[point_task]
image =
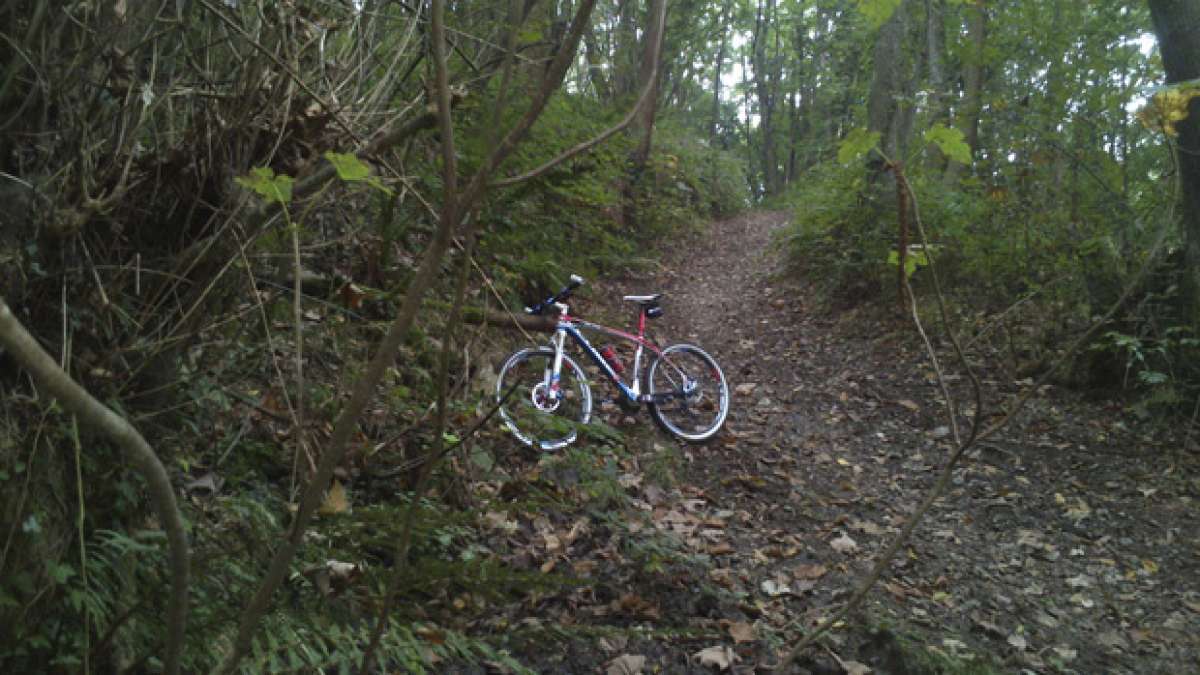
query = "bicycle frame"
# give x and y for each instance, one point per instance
(573, 326)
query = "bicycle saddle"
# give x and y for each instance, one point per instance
(644, 299)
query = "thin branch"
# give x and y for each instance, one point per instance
(586, 145)
(364, 390)
(976, 434)
(282, 66)
(41, 366)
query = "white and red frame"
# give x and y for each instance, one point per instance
(573, 326)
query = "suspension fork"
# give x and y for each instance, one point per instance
(554, 374)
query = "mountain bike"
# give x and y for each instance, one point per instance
(543, 395)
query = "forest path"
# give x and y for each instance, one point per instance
(1068, 543)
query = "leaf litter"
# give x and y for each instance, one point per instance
(1051, 549)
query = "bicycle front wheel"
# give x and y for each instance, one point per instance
(689, 396)
(542, 414)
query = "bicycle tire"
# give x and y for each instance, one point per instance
(526, 413)
(683, 381)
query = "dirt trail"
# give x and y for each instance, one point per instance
(1069, 543)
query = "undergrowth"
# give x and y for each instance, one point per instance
(1023, 273)
(83, 564)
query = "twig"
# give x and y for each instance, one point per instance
(364, 390)
(284, 67)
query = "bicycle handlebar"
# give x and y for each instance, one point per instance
(574, 282)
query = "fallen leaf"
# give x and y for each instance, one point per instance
(1017, 640)
(637, 606)
(430, 635)
(723, 576)
(335, 500)
(856, 668)
(809, 571)
(990, 629)
(1046, 620)
(1079, 511)
(774, 589)
(866, 527)
(1066, 653)
(630, 480)
(745, 389)
(722, 548)
(1080, 581)
(844, 544)
(911, 405)
(742, 632)
(626, 664)
(1113, 640)
(721, 657)
(803, 586)
(1140, 635)
(209, 483)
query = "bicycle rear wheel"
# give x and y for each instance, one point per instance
(689, 397)
(536, 418)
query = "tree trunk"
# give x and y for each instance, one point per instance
(883, 108)
(716, 109)
(595, 60)
(766, 85)
(968, 117)
(651, 58)
(625, 51)
(935, 48)
(1177, 23)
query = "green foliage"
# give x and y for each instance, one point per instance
(351, 169)
(577, 217)
(916, 258)
(290, 646)
(856, 144)
(1159, 366)
(950, 141)
(877, 12)
(270, 187)
(834, 232)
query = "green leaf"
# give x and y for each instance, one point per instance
(60, 573)
(269, 186)
(856, 144)
(950, 141)
(349, 167)
(353, 170)
(911, 263)
(877, 12)
(1152, 377)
